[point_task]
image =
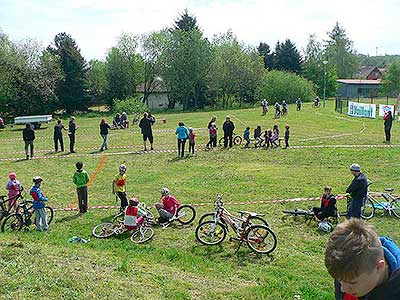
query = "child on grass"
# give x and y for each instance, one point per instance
(192, 142)
(119, 187)
(13, 187)
(81, 179)
(39, 204)
(327, 207)
(169, 206)
(257, 137)
(246, 136)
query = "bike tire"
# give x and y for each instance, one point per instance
(396, 208)
(210, 233)
(368, 210)
(221, 142)
(12, 223)
(103, 230)
(189, 213)
(142, 235)
(261, 239)
(238, 140)
(206, 216)
(29, 205)
(119, 217)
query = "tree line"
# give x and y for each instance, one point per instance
(194, 71)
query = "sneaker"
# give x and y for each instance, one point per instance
(151, 148)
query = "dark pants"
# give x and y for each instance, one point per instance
(58, 138)
(29, 144)
(387, 133)
(228, 137)
(287, 142)
(212, 142)
(124, 200)
(191, 147)
(164, 216)
(247, 143)
(355, 208)
(82, 198)
(181, 147)
(71, 142)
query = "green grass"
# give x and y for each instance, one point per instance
(173, 265)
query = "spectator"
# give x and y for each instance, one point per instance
(124, 120)
(182, 134)
(246, 136)
(1, 123)
(363, 265)
(192, 140)
(145, 125)
(213, 132)
(81, 179)
(39, 200)
(257, 137)
(275, 136)
(388, 125)
(298, 104)
(287, 135)
(212, 121)
(357, 189)
(228, 128)
(104, 133)
(58, 137)
(28, 134)
(117, 121)
(71, 133)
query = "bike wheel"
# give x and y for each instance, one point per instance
(221, 142)
(12, 223)
(103, 230)
(207, 217)
(255, 220)
(29, 205)
(142, 235)
(237, 140)
(396, 208)
(261, 239)
(210, 233)
(119, 217)
(368, 210)
(185, 214)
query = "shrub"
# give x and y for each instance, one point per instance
(129, 105)
(278, 86)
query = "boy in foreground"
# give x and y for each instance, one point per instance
(364, 266)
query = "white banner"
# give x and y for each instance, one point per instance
(383, 108)
(362, 110)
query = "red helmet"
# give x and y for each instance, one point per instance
(12, 176)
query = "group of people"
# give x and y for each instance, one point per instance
(121, 121)
(228, 127)
(270, 138)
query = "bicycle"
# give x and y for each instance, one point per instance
(119, 216)
(214, 232)
(308, 215)
(237, 140)
(254, 218)
(22, 217)
(141, 234)
(185, 214)
(390, 207)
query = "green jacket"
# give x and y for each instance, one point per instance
(80, 178)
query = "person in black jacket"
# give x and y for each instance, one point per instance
(58, 137)
(104, 133)
(364, 266)
(145, 125)
(328, 205)
(28, 135)
(388, 125)
(357, 189)
(71, 133)
(228, 128)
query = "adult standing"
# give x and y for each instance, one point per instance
(357, 189)
(71, 133)
(145, 125)
(228, 128)
(28, 135)
(104, 133)
(183, 134)
(388, 125)
(58, 137)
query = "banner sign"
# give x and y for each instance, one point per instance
(383, 108)
(362, 110)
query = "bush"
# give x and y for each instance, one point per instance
(129, 105)
(278, 86)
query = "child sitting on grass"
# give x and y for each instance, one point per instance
(168, 208)
(328, 205)
(133, 215)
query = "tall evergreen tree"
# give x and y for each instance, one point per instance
(287, 57)
(186, 22)
(72, 90)
(268, 57)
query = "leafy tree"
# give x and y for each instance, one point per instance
(391, 80)
(97, 81)
(287, 57)
(279, 85)
(268, 57)
(72, 91)
(186, 22)
(124, 68)
(339, 51)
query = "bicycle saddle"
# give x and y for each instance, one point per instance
(389, 190)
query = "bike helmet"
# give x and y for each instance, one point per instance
(164, 191)
(325, 226)
(134, 201)
(12, 176)
(37, 179)
(355, 167)
(122, 168)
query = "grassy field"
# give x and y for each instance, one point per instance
(173, 265)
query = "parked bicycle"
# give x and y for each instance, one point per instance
(307, 215)
(259, 238)
(237, 140)
(390, 206)
(23, 217)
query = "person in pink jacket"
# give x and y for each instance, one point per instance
(13, 187)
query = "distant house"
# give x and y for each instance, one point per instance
(354, 88)
(369, 73)
(158, 98)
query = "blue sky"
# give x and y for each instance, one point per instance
(95, 24)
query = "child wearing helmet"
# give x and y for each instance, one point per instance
(13, 187)
(39, 200)
(169, 206)
(119, 186)
(133, 215)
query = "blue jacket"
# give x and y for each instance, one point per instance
(389, 290)
(246, 134)
(38, 197)
(182, 132)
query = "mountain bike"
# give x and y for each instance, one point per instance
(149, 215)
(307, 215)
(390, 206)
(259, 238)
(237, 140)
(23, 217)
(254, 218)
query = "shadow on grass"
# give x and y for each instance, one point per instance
(69, 218)
(175, 159)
